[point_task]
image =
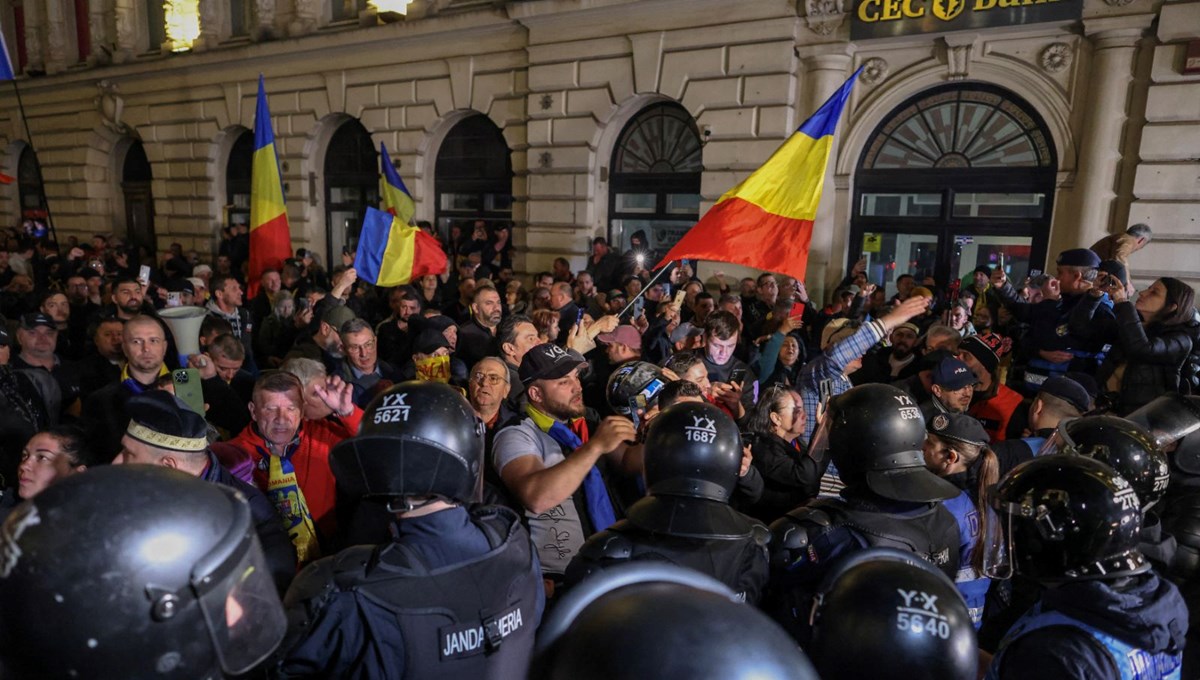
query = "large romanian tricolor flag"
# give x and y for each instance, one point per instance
(392, 253)
(270, 236)
(394, 196)
(766, 221)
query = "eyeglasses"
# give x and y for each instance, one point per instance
(488, 379)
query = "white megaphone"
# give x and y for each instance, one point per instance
(184, 323)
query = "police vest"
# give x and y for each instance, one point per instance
(740, 563)
(970, 583)
(1131, 662)
(931, 534)
(475, 619)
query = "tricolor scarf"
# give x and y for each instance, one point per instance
(283, 490)
(595, 494)
(132, 384)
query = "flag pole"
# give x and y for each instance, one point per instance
(645, 288)
(37, 163)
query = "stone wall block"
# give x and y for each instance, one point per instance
(1177, 102)
(1180, 142)
(360, 97)
(596, 101)
(397, 93)
(506, 112)
(314, 101)
(706, 94)
(775, 121)
(766, 57)
(728, 123)
(1179, 21)
(420, 116)
(1168, 182)
(559, 76)
(438, 93)
(573, 130)
(680, 67)
(772, 89)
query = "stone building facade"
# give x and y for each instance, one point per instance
(1108, 121)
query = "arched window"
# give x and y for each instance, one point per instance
(237, 179)
(956, 177)
(473, 177)
(136, 178)
(351, 184)
(654, 185)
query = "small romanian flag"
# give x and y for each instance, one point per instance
(270, 236)
(766, 221)
(394, 196)
(392, 253)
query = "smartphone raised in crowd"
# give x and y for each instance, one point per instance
(187, 388)
(738, 375)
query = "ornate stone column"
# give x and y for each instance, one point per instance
(59, 53)
(125, 46)
(823, 75)
(35, 18)
(1114, 42)
(100, 26)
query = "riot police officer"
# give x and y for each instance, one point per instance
(656, 621)
(134, 572)
(884, 603)
(1074, 525)
(1174, 421)
(693, 454)
(457, 593)
(875, 434)
(1131, 451)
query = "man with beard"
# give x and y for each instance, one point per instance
(894, 362)
(477, 337)
(323, 343)
(396, 333)
(549, 461)
(128, 299)
(756, 312)
(953, 386)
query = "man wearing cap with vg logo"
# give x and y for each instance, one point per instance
(551, 461)
(1056, 349)
(953, 386)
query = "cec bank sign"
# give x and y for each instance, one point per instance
(889, 18)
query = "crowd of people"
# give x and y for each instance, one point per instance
(608, 472)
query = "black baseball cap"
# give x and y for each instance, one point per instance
(548, 361)
(32, 320)
(1069, 391)
(959, 427)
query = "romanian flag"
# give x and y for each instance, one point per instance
(270, 237)
(394, 196)
(766, 221)
(392, 253)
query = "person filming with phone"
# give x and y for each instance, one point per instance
(1151, 334)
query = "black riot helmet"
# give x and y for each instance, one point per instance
(634, 382)
(418, 439)
(1174, 421)
(1122, 445)
(134, 571)
(655, 621)
(875, 434)
(1068, 518)
(885, 613)
(693, 453)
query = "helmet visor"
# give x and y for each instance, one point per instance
(242, 609)
(818, 447)
(997, 546)
(1059, 442)
(1169, 418)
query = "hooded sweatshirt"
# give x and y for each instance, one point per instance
(1147, 613)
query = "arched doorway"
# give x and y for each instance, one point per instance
(29, 188)
(351, 184)
(956, 177)
(136, 178)
(237, 179)
(655, 181)
(473, 175)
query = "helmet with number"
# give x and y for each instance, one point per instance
(693, 453)
(1122, 445)
(418, 439)
(1174, 422)
(658, 621)
(134, 571)
(875, 434)
(634, 381)
(888, 604)
(1069, 518)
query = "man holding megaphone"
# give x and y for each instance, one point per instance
(144, 345)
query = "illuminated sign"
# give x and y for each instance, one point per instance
(888, 18)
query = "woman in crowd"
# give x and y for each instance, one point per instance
(50, 455)
(790, 476)
(783, 354)
(1151, 337)
(546, 322)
